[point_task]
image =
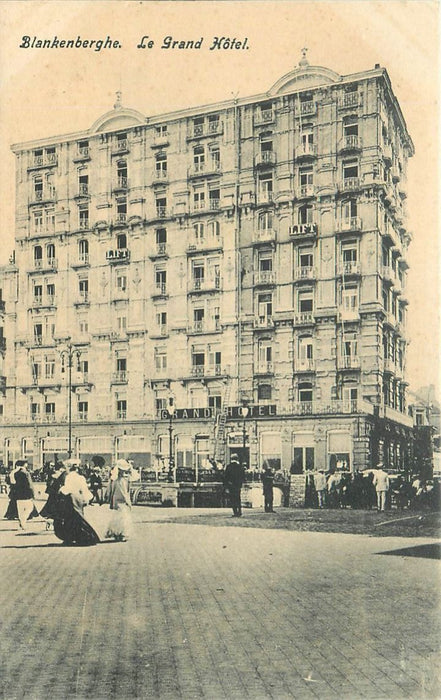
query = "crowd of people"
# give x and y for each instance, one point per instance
(69, 493)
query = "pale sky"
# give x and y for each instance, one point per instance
(55, 91)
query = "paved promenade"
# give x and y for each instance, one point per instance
(207, 611)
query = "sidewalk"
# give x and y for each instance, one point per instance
(202, 611)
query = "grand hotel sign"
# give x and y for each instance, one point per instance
(231, 412)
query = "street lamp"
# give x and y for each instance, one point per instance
(67, 359)
(244, 411)
(171, 460)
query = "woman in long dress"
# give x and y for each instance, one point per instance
(70, 524)
(11, 511)
(24, 492)
(118, 494)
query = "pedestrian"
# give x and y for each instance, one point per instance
(70, 523)
(24, 492)
(381, 483)
(96, 485)
(268, 488)
(234, 477)
(118, 494)
(11, 511)
(320, 487)
(55, 481)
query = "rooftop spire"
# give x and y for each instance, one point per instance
(304, 62)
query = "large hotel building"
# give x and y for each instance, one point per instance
(250, 253)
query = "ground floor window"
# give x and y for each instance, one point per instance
(303, 460)
(339, 451)
(271, 451)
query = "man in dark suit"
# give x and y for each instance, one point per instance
(233, 479)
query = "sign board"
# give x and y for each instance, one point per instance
(231, 412)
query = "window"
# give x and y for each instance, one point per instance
(38, 188)
(49, 327)
(198, 229)
(306, 257)
(305, 301)
(35, 410)
(83, 183)
(121, 368)
(38, 333)
(265, 221)
(350, 169)
(121, 174)
(265, 307)
(199, 159)
(198, 362)
(121, 409)
(306, 215)
(83, 324)
(160, 359)
(350, 396)
(349, 298)
(83, 408)
(303, 458)
(38, 255)
(198, 273)
(214, 197)
(349, 209)
(161, 239)
(215, 157)
(199, 198)
(83, 148)
(305, 392)
(184, 452)
(38, 293)
(213, 123)
(265, 356)
(121, 282)
(49, 410)
(339, 450)
(271, 450)
(161, 321)
(198, 318)
(83, 214)
(36, 370)
(161, 165)
(266, 186)
(161, 130)
(83, 369)
(215, 361)
(121, 241)
(83, 286)
(306, 352)
(161, 206)
(198, 126)
(161, 280)
(264, 392)
(49, 367)
(349, 252)
(202, 452)
(306, 177)
(121, 323)
(265, 261)
(121, 209)
(50, 292)
(307, 138)
(50, 253)
(215, 400)
(213, 229)
(38, 221)
(349, 345)
(83, 250)
(350, 128)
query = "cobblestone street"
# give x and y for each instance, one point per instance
(209, 611)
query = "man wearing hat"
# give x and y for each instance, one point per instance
(381, 483)
(233, 479)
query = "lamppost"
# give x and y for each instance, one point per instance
(171, 459)
(68, 355)
(244, 411)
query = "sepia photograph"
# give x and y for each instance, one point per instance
(219, 349)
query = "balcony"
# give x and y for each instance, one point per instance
(308, 107)
(349, 269)
(306, 151)
(264, 278)
(264, 197)
(305, 365)
(83, 260)
(122, 184)
(204, 169)
(208, 284)
(264, 116)
(305, 191)
(198, 370)
(121, 146)
(263, 322)
(160, 251)
(117, 256)
(349, 100)
(303, 230)
(387, 153)
(161, 212)
(160, 289)
(264, 159)
(305, 318)
(120, 377)
(160, 177)
(83, 153)
(210, 128)
(83, 190)
(83, 417)
(348, 362)
(388, 274)
(49, 194)
(335, 406)
(121, 415)
(159, 331)
(49, 418)
(120, 220)
(350, 184)
(205, 244)
(351, 143)
(41, 265)
(161, 141)
(82, 299)
(264, 368)
(389, 365)
(267, 235)
(306, 272)
(352, 224)
(44, 161)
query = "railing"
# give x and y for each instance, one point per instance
(350, 99)
(83, 152)
(306, 272)
(49, 418)
(161, 249)
(266, 158)
(334, 406)
(305, 365)
(213, 166)
(121, 145)
(263, 322)
(350, 142)
(206, 242)
(83, 298)
(120, 376)
(43, 195)
(306, 149)
(122, 183)
(198, 327)
(265, 277)
(264, 368)
(308, 107)
(214, 126)
(83, 258)
(83, 417)
(388, 273)
(160, 174)
(350, 183)
(306, 191)
(201, 284)
(267, 234)
(83, 224)
(389, 365)
(354, 223)
(198, 370)
(121, 415)
(349, 268)
(304, 318)
(161, 288)
(161, 212)
(83, 189)
(265, 197)
(264, 116)
(121, 218)
(348, 362)
(48, 159)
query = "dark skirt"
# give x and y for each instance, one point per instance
(72, 528)
(12, 512)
